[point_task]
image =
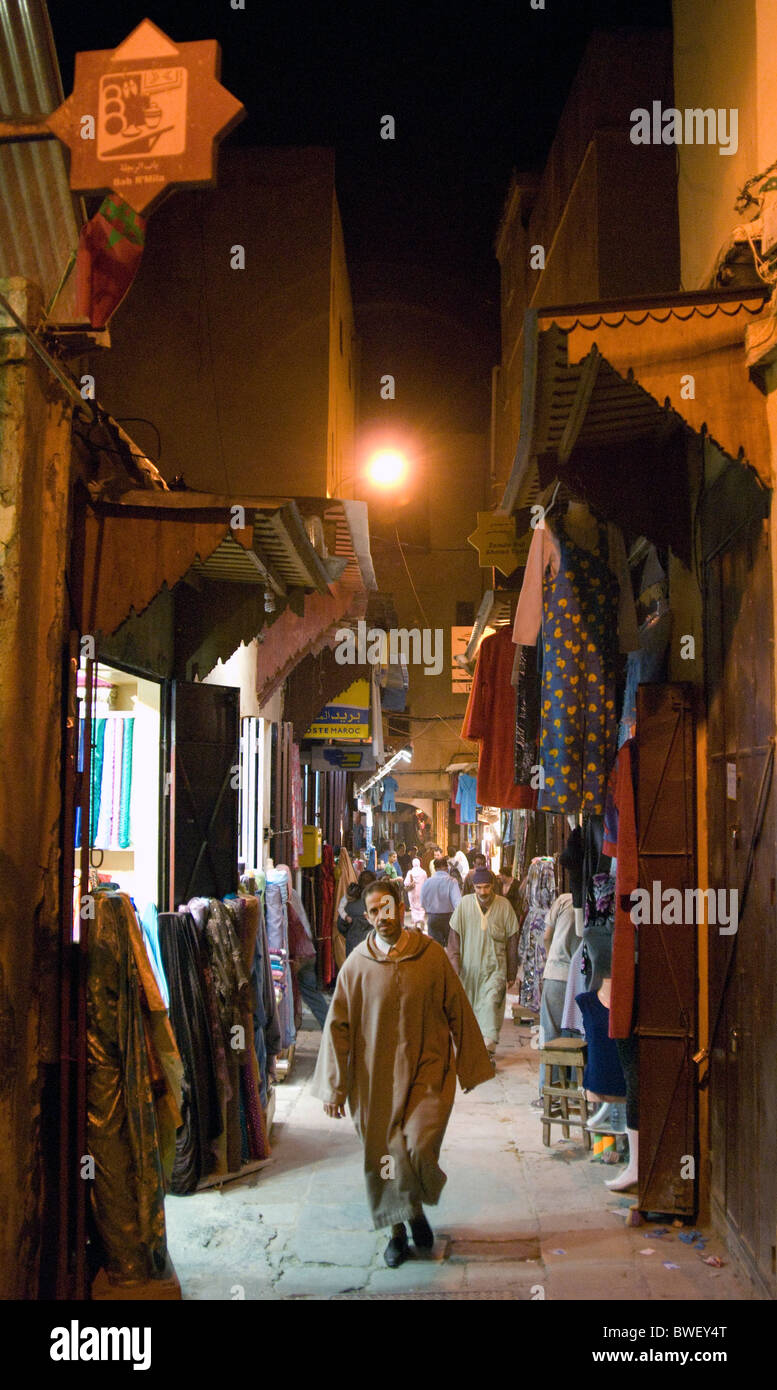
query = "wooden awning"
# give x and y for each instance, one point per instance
(125, 551)
(603, 382)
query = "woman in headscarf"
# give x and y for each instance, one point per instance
(414, 880)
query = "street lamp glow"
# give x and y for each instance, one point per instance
(387, 468)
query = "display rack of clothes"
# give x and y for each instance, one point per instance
(490, 720)
(276, 901)
(224, 1017)
(577, 592)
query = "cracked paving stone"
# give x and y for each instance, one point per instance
(334, 1247)
(321, 1280)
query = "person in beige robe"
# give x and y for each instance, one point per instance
(399, 1030)
(483, 949)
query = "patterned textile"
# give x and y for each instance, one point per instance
(201, 1125)
(326, 880)
(125, 786)
(540, 893)
(297, 813)
(122, 1127)
(244, 914)
(579, 735)
(527, 714)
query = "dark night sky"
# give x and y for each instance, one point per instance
(475, 91)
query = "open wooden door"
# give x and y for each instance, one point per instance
(739, 669)
(205, 755)
(666, 811)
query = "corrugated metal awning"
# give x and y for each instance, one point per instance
(39, 218)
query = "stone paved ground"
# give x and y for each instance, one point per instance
(516, 1220)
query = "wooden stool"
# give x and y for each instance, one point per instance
(565, 1103)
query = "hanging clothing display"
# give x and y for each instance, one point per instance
(466, 798)
(525, 678)
(223, 1012)
(275, 900)
(325, 876)
(111, 794)
(133, 1094)
(490, 719)
(201, 1123)
(540, 894)
(603, 1073)
(390, 787)
(649, 662)
(297, 813)
(580, 596)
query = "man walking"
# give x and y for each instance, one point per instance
(439, 896)
(387, 1050)
(483, 950)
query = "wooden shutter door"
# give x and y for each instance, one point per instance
(666, 809)
(205, 753)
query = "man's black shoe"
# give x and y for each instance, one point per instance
(423, 1235)
(396, 1251)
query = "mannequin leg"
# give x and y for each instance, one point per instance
(629, 1177)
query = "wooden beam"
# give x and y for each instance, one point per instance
(13, 131)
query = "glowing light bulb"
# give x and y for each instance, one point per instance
(387, 468)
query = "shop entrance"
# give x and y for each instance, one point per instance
(742, 838)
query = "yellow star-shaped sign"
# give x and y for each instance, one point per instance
(145, 117)
(496, 542)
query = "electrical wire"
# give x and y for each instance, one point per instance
(410, 577)
(141, 420)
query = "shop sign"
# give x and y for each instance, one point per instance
(343, 760)
(347, 717)
(461, 679)
(145, 117)
(496, 543)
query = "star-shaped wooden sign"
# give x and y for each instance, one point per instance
(496, 542)
(146, 117)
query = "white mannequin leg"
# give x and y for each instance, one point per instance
(629, 1177)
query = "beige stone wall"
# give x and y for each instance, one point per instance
(34, 478)
(715, 64)
(230, 365)
(444, 573)
(342, 371)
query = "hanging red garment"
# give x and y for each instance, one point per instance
(326, 912)
(490, 718)
(620, 841)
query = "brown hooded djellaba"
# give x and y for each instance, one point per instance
(399, 1030)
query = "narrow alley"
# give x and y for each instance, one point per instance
(516, 1220)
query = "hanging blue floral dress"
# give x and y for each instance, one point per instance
(579, 734)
